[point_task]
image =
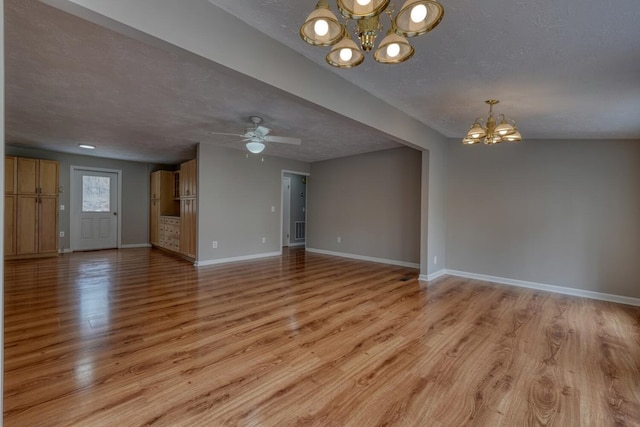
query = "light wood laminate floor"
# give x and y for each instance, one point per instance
(139, 337)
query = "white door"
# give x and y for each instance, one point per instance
(95, 210)
(286, 210)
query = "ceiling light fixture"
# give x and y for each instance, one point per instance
(492, 132)
(87, 146)
(255, 147)
(323, 28)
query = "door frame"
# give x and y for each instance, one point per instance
(306, 211)
(72, 192)
(286, 215)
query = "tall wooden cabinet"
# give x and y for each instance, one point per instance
(188, 202)
(31, 207)
(173, 209)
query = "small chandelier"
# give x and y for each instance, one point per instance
(492, 133)
(322, 28)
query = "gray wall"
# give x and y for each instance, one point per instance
(372, 201)
(298, 205)
(563, 213)
(235, 196)
(135, 191)
(434, 213)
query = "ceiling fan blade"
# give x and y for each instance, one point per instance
(261, 131)
(222, 133)
(283, 139)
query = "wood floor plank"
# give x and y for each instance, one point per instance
(139, 337)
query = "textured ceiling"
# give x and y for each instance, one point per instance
(70, 81)
(563, 70)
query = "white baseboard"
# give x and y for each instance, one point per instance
(432, 276)
(293, 245)
(544, 287)
(135, 245)
(235, 259)
(365, 258)
(65, 251)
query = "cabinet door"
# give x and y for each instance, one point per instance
(183, 179)
(48, 177)
(154, 222)
(192, 229)
(48, 225)
(188, 227)
(10, 171)
(9, 225)
(188, 179)
(155, 185)
(27, 225)
(27, 176)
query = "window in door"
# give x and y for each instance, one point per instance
(96, 193)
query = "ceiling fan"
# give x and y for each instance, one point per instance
(256, 136)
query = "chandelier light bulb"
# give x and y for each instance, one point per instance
(418, 13)
(346, 54)
(321, 27)
(363, 2)
(393, 50)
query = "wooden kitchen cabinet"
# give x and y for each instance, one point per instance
(154, 222)
(188, 179)
(10, 174)
(173, 210)
(188, 227)
(163, 203)
(31, 207)
(9, 225)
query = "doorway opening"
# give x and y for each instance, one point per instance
(294, 209)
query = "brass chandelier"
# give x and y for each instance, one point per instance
(492, 132)
(322, 28)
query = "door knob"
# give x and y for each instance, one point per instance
(115, 213)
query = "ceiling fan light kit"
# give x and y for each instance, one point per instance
(323, 28)
(492, 132)
(255, 147)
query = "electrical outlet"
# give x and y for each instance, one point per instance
(61, 207)
(435, 259)
(214, 245)
(264, 240)
(273, 208)
(339, 239)
(62, 234)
